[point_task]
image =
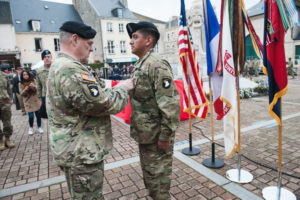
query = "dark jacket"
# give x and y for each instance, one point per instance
(15, 82)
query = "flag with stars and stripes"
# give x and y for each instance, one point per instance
(194, 97)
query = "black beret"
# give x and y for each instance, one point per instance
(45, 52)
(84, 31)
(133, 27)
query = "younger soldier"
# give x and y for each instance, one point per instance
(5, 112)
(79, 113)
(41, 82)
(155, 108)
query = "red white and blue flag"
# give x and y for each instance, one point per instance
(212, 32)
(274, 57)
(195, 101)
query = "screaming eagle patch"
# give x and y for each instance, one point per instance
(93, 88)
(166, 83)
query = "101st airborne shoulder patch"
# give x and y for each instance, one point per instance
(88, 77)
(93, 88)
(166, 83)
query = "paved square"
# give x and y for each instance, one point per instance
(28, 171)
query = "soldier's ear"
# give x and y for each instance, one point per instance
(149, 40)
(74, 39)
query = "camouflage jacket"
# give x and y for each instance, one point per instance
(5, 90)
(41, 81)
(79, 113)
(154, 102)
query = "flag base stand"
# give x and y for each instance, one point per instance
(218, 163)
(213, 162)
(271, 193)
(190, 151)
(239, 176)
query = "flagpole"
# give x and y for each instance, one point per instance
(211, 162)
(191, 151)
(238, 175)
(272, 192)
(239, 127)
(279, 152)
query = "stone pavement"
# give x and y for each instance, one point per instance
(28, 171)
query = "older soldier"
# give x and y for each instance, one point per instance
(5, 112)
(79, 113)
(41, 82)
(155, 108)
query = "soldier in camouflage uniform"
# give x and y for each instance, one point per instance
(41, 82)
(42, 74)
(5, 112)
(155, 108)
(79, 113)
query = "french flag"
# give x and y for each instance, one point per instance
(212, 31)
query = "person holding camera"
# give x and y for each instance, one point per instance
(32, 103)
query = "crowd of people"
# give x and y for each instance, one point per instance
(116, 72)
(28, 91)
(79, 107)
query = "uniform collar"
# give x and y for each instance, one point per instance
(46, 68)
(65, 55)
(139, 63)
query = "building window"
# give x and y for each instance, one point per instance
(56, 44)
(35, 26)
(121, 28)
(122, 47)
(120, 13)
(27, 65)
(110, 46)
(38, 44)
(109, 27)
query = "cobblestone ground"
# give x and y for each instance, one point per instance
(30, 161)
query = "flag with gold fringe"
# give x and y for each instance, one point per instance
(229, 89)
(194, 97)
(274, 57)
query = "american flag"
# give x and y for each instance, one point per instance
(193, 85)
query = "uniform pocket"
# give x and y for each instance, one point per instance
(143, 90)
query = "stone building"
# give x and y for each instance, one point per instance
(256, 14)
(109, 19)
(30, 27)
(196, 25)
(9, 52)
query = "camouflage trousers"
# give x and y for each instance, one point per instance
(85, 182)
(157, 168)
(5, 117)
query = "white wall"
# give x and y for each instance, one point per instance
(7, 37)
(26, 46)
(116, 37)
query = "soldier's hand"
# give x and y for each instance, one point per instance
(128, 83)
(163, 145)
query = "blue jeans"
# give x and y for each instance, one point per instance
(31, 119)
